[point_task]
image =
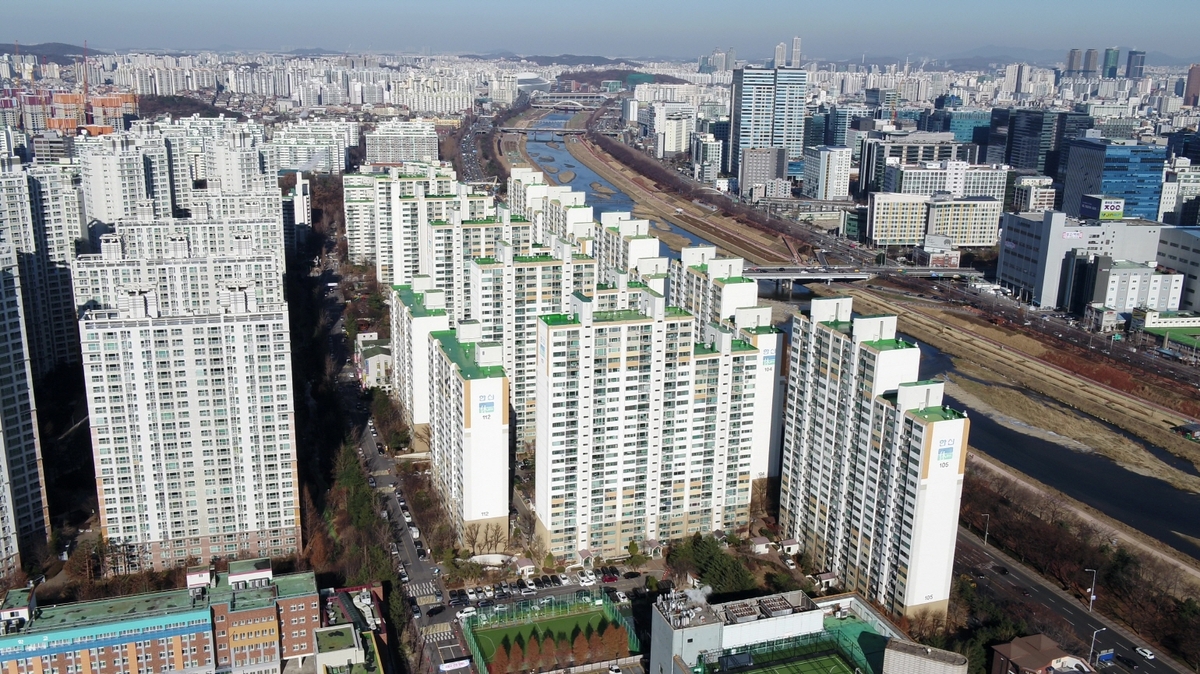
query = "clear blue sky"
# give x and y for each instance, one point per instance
(830, 28)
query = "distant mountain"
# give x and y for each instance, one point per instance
(55, 52)
(313, 51)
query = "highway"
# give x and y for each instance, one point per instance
(1021, 584)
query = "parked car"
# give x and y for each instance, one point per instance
(488, 592)
(584, 581)
(564, 579)
(555, 580)
(467, 612)
(371, 482)
(621, 597)
(434, 610)
(632, 574)
(484, 603)
(528, 592)
(789, 563)
(546, 582)
(414, 532)
(537, 582)
(591, 575)
(472, 595)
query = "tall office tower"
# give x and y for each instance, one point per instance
(1034, 194)
(814, 128)
(780, 60)
(1074, 62)
(1112, 61)
(1115, 168)
(125, 176)
(768, 111)
(1035, 137)
(795, 62)
(24, 514)
(1180, 204)
(962, 123)
(1191, 90)
(997, 150)
(827, 173)
(468, 433)
(510, 292)
(40, 216)
(838, 128)
(417, 310)
(882, 148)
(395, 142)
(1135, 64)
(175, 329)
(390, 215)
(873, 461)
(649, 426)
(1091, 63)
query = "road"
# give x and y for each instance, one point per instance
(1021, 583)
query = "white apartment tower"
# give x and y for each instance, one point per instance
(24, 515)
(873, 461)
(709, 287)
(468, 429)
(125, 176)
(395, 142)
(509, 293)
(189, 383)
(647, 426)
(418, 309)
(827, 173)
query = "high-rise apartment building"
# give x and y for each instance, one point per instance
(418, 309)
(1074, 62)
(396, 142)
(24, 512)
(649, 426)
(125, 176)
(189, 385)
(1125, 169)
(1112, 61)
(1135, 64)
(873, 461)
(708, 287)
(768, 111)
(827, 173)
(1091, 64)
(795, 62)
(469, 430)
(315, 145)
(1191, 90)
(780, 60)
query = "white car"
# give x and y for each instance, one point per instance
(489, 592)
(622, 597)
(585, 581)
(566, 580)
(789, 563)
(1145, 653)
(415, 533)
(591, 575)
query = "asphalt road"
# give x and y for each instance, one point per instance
(1021, 583)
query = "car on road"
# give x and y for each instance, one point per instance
(435, 610)
(1144, 652)
(1002, 570)
(1025, 592)
(1127, 661)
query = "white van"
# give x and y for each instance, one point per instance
(467, 612)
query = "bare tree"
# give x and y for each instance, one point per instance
(527, 523)
(471, 536)
(493, 537)
(537, 548)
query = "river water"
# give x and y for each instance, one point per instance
(1144, 503)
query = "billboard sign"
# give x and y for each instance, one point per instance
(1099, 207)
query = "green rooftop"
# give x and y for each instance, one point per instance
(415, 302)
(618, 315)
(463, 356)
(843, 327)
(482, 261)
(535, 258)
(733, 279)
(762, 330)
(79, 614)
(889, 344)
(941, 413)
(337, 639)
(296, 584)
(555, 320)
(677, 312)
(743, 345)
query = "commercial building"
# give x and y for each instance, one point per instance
(908, 147)
(1112, 61)
(767, 112)
(649, 426)
(1191, 90)
(25, 517)
(961, 122)
(1033, 194)
(761, 167)
(1179, 250)
(399, 141)
(1035, 248)
(246, 620)
(1180, 201)
(1035, 654)
(896, 219)
(1135, 64)
(468, 428)
(668, 125)
(937, 251)
(1035, 136)
(418, 310)
(373, 361)
(706, 158)
(873, 461)
(1126, 170)
(689, 634)
(972, 222)
(189, 387)
(1099, 280)
(827, 173)
(957, 178)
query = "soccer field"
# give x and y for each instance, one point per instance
(562, 628)
(825, 664)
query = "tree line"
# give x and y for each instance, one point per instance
(546, 650)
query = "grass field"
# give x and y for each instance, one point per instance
(562, 628)
(824, 664)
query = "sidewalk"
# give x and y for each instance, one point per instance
(1112, 625)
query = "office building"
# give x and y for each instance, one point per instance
(958, 178)
(1191, 90)
(509, 292)
(998, 136)
(840, 118)
(969, 222)
(1135, 64)
(1074, 63)
(418, 310)
(767, 112)
(469, 428)
(896, 219)
(1180, 202)
(1091, 64)
(761, 166)
(1125, 169)
(41, 216)
(963, 123)
(1095, 281)
(1033, 194)
(649, 426)
(858, 410)
(173, 328)
(903, 147)
(396, 142)
(25, 515)
(1112, 60)
(1034, 248)
(706, 158)
(1179, 250)
(245, 620)
(668, 125)
(827, 173)
(1035, 136)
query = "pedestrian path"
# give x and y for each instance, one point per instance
(438, 632)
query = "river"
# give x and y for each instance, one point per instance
(1144, 503)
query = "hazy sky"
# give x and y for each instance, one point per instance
(830, 28)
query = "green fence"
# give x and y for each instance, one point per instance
(797, 648)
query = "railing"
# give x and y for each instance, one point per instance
(794, 648)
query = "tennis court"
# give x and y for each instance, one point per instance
(822, 664)
(562, 628)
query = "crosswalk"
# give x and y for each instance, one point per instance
(438, 632)
(420, 589)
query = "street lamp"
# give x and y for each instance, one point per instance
(1093, 646)
(1092, 590)
(987, 523)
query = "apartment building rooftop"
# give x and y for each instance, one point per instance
(415, 302)
(939, 413)
(463, 356)
(889, 344)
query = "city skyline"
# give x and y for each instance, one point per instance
(874, 31)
